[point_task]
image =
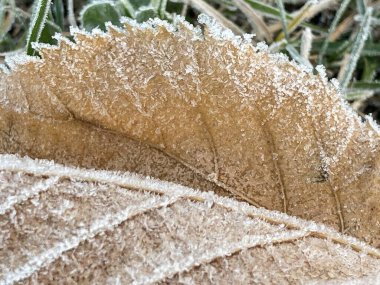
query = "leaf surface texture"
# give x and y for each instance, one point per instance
(216, 112)
(97, 227)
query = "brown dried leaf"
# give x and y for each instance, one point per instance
(250, 123)
(69, 225)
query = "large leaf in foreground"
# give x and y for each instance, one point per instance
(69, 225)
(251, 123)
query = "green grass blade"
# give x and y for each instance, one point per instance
(366, 85)
(297, 20)
(162, 11)
(58, 12)
(276, 14)
(266, 9)
(40, 13)
(280, 5)
(357, 48)
(71, 13)
(369, 70)
(353, 95)
(361, 7)
(297, 57)
(371, 49)
(332, 28)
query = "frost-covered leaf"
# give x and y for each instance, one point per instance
(96, 14)
(145, 13)
(246, 121)
(68, 225)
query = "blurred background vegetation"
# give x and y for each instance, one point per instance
(343, 35)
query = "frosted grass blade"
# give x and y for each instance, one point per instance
(332, 28)
(370, 85)
(71, 14)
(283, 18)
(162, 10)
(297, 57)
(276, 14)
(306, 42)
(58, 12)
(302, 14)
(38, 22)
(357, 48)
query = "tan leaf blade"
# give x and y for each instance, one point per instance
(97, 227)
(250, 123)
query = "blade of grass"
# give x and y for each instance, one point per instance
(280, 5)
(276, 14)
(297, 57)
(371, 49)
(41, 11)
(70, 13)
(185, 8)
(361, 6)
(332, 27)
(357, 48)
(369, 70)
(354, 95)
(306, 43)
(162, 11)
(320, 6)
(159, 6)
(342, 28)
(297, 20)
(277, 46)
(366, 85)
(58, 12)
